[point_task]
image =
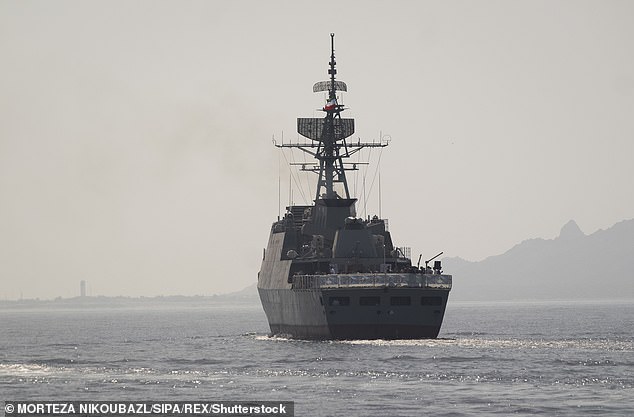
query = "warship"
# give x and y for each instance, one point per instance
(328, 274)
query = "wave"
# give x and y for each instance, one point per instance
(479, 373)
(398, 358)
(474, 342)
(284, 338)
(25, 369)
(79, 361)
(199, 361)
(592, 344)
(593, 362)
(62, 345)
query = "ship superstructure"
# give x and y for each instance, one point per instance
(328, 274)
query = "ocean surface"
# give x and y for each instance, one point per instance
(548, 359)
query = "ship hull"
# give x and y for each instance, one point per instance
(355, 313)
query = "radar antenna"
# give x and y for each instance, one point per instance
(328, 136)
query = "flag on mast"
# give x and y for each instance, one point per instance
(330, 104)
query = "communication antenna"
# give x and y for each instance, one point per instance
(279, 183)
(328, 138)
(380, 217)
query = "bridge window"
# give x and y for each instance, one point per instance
(430, 301)
(370, 301)
(339, 301)
(400, 301)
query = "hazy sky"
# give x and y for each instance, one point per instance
(135, 137)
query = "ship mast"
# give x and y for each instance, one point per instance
(328, 137)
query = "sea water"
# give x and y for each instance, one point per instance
(555, 358)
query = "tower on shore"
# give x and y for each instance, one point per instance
(82, 288)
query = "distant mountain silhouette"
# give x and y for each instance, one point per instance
(249, 293)
(571, 266)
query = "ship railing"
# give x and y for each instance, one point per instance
(404, 280)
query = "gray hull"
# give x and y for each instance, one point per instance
(365, 313)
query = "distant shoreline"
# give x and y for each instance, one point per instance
(121, 301)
